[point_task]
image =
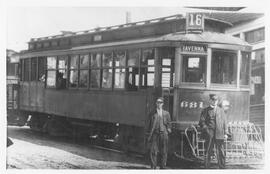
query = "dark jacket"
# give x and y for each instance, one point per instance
(166, 121)
(214, 119)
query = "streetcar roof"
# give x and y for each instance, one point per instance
(205, 38)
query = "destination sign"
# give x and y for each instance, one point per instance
(194, 48)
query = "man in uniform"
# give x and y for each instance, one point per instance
(158, 138)
(213, 124)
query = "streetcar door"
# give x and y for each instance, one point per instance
(166, 55)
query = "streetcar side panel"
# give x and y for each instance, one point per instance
(116, 107)
(190, 102)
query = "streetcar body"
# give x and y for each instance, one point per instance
(106, 81)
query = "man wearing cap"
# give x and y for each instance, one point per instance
(214, 128)
(158, 137)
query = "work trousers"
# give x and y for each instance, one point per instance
(219, 143)
(159, 145)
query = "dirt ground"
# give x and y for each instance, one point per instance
(32, 150)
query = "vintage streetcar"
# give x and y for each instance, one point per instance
(104, 82)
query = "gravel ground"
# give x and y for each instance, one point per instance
(32, 150)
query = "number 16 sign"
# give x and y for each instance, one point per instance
(194, 22)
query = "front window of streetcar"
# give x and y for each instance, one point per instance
(224, 67)
(194, 69)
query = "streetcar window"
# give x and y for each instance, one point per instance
(107, 63)
(73, 71)
(33, 69)
(95, 78)
(96, 60)
(255, 35)
(83, 72)
(147, 68)
(21, 69)
(167, 63)
(133, 70)
(107, 78)
(51, 72)
(120, 71)
(133, 58)
(107, 60)
(194, 69)
(26, 69)
(61, 74)
(224, 67)
(245, 67)
(51, 79)
(41, 69)
(95, 64)
(51, 62)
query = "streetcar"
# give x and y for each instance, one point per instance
(104, 82)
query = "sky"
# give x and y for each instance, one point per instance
(24, 23)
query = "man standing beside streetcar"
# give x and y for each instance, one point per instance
(214, 128)
(158, 138)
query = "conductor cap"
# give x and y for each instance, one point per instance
(213, 96)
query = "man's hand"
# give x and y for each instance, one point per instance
(225, 137)
(169, 130)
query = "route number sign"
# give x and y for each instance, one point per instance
(194, 22)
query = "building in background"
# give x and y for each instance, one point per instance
(253, 32)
